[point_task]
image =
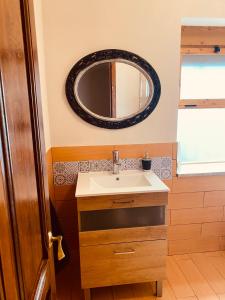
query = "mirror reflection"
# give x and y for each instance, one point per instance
(113, 89)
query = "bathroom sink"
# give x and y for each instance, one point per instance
(121, 180)
(126, 182)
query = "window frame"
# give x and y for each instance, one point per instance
(200, 40)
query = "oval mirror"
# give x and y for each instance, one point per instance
(113, 89)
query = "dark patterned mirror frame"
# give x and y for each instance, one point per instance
(112, 54)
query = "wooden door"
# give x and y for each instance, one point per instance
(26, 262)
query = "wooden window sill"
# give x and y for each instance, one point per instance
(205, 103)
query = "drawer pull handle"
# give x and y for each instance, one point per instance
(123, 202)
(129, 251)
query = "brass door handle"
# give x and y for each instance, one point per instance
(51, 239)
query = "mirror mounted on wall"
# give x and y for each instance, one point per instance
(113, 89)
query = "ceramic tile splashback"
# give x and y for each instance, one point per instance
(65, 172)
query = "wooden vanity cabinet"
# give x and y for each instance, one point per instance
(123, 239)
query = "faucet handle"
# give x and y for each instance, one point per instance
(115, 151)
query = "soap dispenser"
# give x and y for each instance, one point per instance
(146, 162)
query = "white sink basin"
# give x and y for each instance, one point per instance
(126, 182)
(121, 180)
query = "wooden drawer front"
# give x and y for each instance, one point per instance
(122, 235)
(124, 263)
(122, 201)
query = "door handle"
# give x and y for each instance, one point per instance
(58, 239)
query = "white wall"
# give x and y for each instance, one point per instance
(41, 59)
(74, 28)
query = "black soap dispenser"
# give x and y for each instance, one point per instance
(146, 162)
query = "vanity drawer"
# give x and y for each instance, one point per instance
(123, 235)
(118, 218)
(121, 201)
(123, 263)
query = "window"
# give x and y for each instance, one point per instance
(201, 135)
(201, 116)
(203, 77)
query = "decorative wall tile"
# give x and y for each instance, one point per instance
(84, 166)
(156, 162)
(156, 165)
(65, 173)
(106, 165)
(165, 174)
(60, 179)
(166, 162)
(157, 172)
(65, 167)
(70, 178)
(95, 165)
(59, 167)
(132, 164)
(72, 167)
(100, 165)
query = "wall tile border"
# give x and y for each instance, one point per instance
(65, 173)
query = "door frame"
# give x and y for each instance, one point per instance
(10, 252)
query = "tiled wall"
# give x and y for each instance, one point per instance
(197, 214)
(65, 172)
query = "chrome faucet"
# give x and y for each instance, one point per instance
(116, 162)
